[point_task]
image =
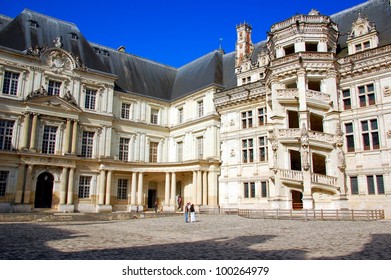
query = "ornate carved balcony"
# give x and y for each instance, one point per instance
(317, 180)
(288, 95)
(316, 138)
(318, 99)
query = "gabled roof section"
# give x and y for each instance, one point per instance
(229, 75)
(377, 11)
(138, 75)
(4, 20)
(32, 29)
(205, 71)
(54, 103)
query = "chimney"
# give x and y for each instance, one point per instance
(121, 49)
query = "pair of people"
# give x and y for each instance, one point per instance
(189, 212)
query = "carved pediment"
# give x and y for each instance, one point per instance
(58, 60)
(67, 103)
(360, 27)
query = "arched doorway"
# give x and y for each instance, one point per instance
(44, 191)
(297, 200)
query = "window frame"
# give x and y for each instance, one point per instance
(370, 135)
(247, 150)
(364, 95)
(346, 99)
(49, 137)
(247, 119)
(349, 136)
(84, 189)
(4, 174)
(87, 144)
(122, 189)
(154, 116)
(123, 148)
(153, 151)
(90, 99)
(126, 112)
(54, 88)
(262, 149)
(249, 189)
(6, 134)
(12, 83)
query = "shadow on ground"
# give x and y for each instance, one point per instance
(26, 241)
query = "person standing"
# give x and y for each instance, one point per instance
(186, 213)
(156, 205)
(179, 202)
(192, 213)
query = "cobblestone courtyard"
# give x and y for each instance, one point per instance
(211, 237)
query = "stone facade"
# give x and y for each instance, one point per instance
(304, 126)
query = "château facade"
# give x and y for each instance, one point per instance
(301, 120)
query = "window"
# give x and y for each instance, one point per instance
(200, 147)
(262, 117)
(84, 186)
(153, 151)
(122, 189)
(247, 150)
(311, 46)
(90, 99)
(6, 130)
(362, 46)
(263, 189)
(3, 182)
(33, 24)
(123, 149)
(366, 95)
(375, 184)
(87, 144)
(179, 151)
(289, 49)
(370, 134)
(154, 116)
(349, 137)
(125, 111)
(54, 88)
(354, 185)
(200, 108)
(247, 119)
(49, 139)
(262, 148)
(10, 84)
(249, 190)
(347, 103)
(180, 115)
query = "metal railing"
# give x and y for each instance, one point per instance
(305, 214)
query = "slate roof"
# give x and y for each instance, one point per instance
(377, 11)
(47, 29)
(148, 78)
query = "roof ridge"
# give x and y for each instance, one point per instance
(132, 55)
(49, 17)
(201, 57)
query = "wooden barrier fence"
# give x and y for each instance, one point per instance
(305, 214)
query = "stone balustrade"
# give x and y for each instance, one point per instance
(296, 175)
(323, 179)
(317, 95)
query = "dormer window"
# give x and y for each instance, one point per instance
(74, 36)
(363, 36)
(33, 23)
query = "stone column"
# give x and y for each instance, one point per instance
(108, 186)
(26, 129)
(194, 188)
(167, 190)
(33, 143)
(173, 190)
(140, 201)
(198, 195)
(63, 186)
(71, 182)
(67, 136)
(134, 189)
(205, 189)
(20, 183)
(212, 188)
(74, 137)
(101, 196)
(29, 179)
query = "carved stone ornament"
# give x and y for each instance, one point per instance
(69, 98)
(58, 60)
(41, 92)
(361, 27)
(386, 91)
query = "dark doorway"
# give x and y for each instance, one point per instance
(319, 164)
(297, 200)
(152, 197)
(316, 122)
(295, 160)
(293, 119)
(44, 191)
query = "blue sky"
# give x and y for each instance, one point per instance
(172, 32)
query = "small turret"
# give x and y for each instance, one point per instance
(244, 45)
